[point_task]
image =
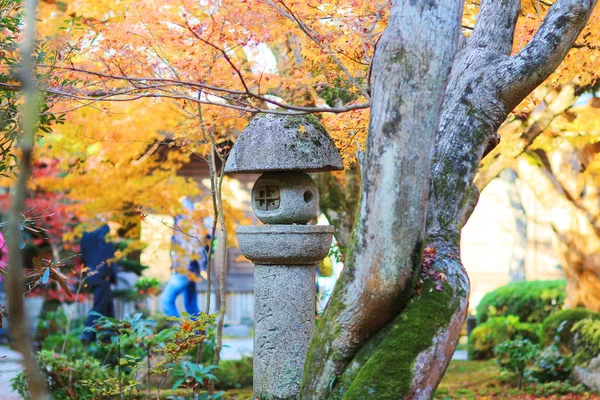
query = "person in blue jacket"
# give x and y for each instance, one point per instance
(188, 260)
(98, 256)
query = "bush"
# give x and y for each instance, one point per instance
(54, 343)
(552, 366)
(557, 327)
(234, 374)
(50, 323)
(81, 378)
(487, 336)
(531, 301)
(515, 356)
(587, 340)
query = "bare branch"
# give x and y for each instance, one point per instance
(495, 26)
(209, 89)
(532, 65)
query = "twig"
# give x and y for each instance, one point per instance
(223, 270)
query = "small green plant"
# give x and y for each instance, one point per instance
(515, 356)
(194, 376)
(552, 366)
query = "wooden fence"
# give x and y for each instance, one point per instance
(240, 306)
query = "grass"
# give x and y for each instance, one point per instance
(480, 380)
(464, 380)
(238, 394)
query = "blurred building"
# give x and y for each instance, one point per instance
(491, 242)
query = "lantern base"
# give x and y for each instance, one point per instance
(284, 315)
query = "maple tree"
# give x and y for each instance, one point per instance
(435, 107)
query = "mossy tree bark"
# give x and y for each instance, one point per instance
(437, 102)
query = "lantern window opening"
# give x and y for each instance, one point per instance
(268, 198)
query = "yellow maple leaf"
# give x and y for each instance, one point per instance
(302, 129)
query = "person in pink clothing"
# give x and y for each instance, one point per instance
(3, 262)
(3, 257)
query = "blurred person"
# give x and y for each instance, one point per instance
(189, 257)
(98, 257)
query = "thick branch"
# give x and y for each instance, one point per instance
(410, 72)
(495, 26)
(503, 156)
(532, 65)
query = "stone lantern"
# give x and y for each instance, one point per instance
(286, 249)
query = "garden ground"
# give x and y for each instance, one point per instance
(464, 380)
(481, 380)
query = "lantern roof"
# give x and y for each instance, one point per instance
(273, 142)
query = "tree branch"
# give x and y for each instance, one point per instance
(543, 54)
(187, 85)
(540, 119)
(495, 28)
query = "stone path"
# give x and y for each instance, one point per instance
(10, 366)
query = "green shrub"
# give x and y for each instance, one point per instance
(80, 378)
(54, 343)
(557, 327)
(559, 388)
(552, 366)
(515, 356)
(234, 374)
(531, 301)
(587, 340)
(50, 323)
(488, 335)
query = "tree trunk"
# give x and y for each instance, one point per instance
(576, 230)
(379, 338)
(516, 268)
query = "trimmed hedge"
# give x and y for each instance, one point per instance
(488, 335)
(558, 326)
(531, 301)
